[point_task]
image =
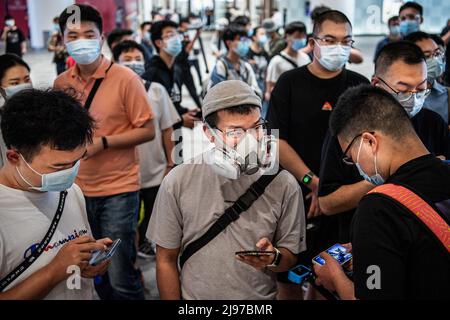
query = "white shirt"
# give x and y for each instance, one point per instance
(278, 65)
(152, 157)
(25, 217)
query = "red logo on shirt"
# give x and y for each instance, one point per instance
(327, 106)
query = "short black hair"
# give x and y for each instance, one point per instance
(232, 31)
(144, 24)
(417, 36)
(158, 28)
(117, 34)
(242, 20)
(34, 118)
(438, 40)
(87, 14)
(295, 26)
(184, 20)
(8, 17)
(9, 60)
(317, 11)
(329, 15)
(126, 46)
(367, 108)
(404, 51)
(244, 109)
(392, 19)
(413, 5)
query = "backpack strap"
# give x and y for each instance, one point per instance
(420, 208)
(448, 104)
(295, 65)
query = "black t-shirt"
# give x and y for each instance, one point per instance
(334, 173)
(262, 61)
(14, 39)
(300, 107)
(412, 263)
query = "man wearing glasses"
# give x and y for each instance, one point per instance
(193, 196)
(392, 249)
(300, 106)
(435, 55)
(400, 69)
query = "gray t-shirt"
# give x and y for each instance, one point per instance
(190, 200)
(2, 142)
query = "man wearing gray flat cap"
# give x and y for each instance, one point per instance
(260, 210)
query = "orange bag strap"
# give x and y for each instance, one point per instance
(420, 208)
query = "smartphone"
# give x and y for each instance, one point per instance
(255, 253)
(338, 252)
(299, 273)
(101, 255)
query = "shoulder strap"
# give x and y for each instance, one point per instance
(147, 85)
(421, 209)
(226, 67)
(94, 89)
(13, 275)
(230, 215)
(295, 65)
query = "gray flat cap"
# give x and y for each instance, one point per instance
(227, 94)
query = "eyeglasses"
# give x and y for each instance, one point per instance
(331, 41)
(237, 133)
(173, 35)
(438, 53)
(348, 159)
(406, 95)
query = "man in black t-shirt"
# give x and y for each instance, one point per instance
(13, 37)
(400, 70)
(300, 106)
(395, 254)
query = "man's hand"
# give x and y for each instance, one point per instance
(94, 148)
(314, 208)
(77, 252)
(189, 118)
(93, 271)
(329, 273)
(260, 262)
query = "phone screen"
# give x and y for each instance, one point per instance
(338, 252)
(100, 256)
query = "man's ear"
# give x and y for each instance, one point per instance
(208, 134)
(12, 156)
(421, 19)
(158, 43)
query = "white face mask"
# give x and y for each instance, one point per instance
(247, 157)
(84, 51)
(55, 181)
(333, 57)
(10, 91)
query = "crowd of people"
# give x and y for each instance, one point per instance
(304, 154)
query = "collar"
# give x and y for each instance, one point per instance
(98, 74)
(439, 87)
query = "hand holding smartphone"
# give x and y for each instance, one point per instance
(338, 252)
(103, 255)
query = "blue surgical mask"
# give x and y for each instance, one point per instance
(10, 23)
(242, 48)
(56, 27)
(136, 66)
(394, 30)
(334, 57)
(84, 51)
(55, 181)
(250, 33)
(174, 46)
(262, 40)
(408, 26)
(12, 90)
(435, 67)
(297, 44)
(376, 179)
